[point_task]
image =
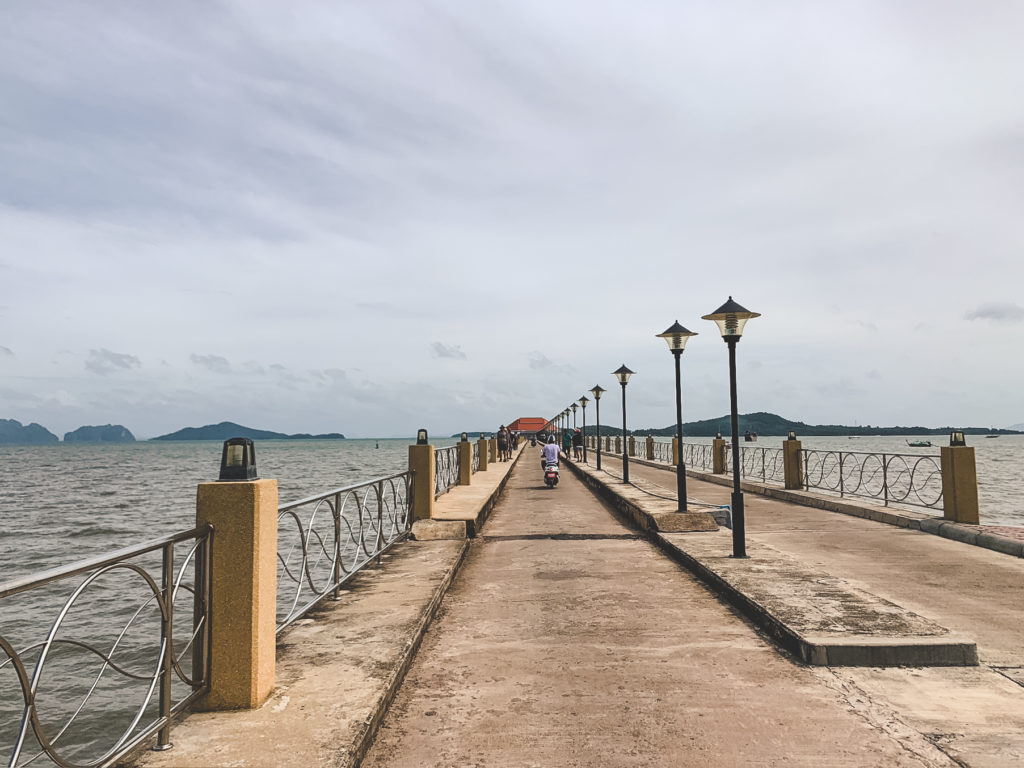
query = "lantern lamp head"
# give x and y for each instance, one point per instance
(956, 438)
(238, 460)
(421, 437)
(792, 435)
(597, 390)
(730, 319)
(623, 374)
(583, 401)
(574, 407)
(464, 437)
(676, 337)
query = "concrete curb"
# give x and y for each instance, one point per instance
(768, 593)
(918, 521)
(364, 740)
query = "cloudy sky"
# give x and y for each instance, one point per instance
(370, 217)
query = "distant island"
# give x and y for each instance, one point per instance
(108, 433)
(14, 433)
(771, 424)
(226, 430)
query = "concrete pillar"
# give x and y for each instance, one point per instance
(792, 464)
(959, 484)
(608, 445)
(650, 448)
(422, 462)
(632, 445)
(492, 443)
(465, 462)
(618, 444)
(243, 591)
(718, 456)
(482, 447)
(675, 451)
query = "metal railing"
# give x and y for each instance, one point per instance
(697, 456)
(121, 656)
(894, 478)
(764, 464)
(323, 540)
(663, 451)
(446, 469)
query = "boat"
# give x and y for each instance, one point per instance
(919, 443)
(750, 437)
(991, 437)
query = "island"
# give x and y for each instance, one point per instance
(227, 429)
(108, 433)
(14, 433)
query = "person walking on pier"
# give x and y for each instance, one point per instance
(503, 452)
(577, 445)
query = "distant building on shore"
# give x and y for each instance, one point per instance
(528, 425)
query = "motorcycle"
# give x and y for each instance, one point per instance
(551, 475)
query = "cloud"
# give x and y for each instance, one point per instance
(539, 360)
(214, 363)
(6, 351)
(104, 362)
(451, 351)
(997, 312)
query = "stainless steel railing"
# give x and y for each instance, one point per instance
(894, 478)
(127, 649)
(324, 540)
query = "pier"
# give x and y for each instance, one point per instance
(570, 630)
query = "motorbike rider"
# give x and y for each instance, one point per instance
(550, 452)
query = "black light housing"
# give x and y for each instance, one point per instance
(238, 460)
(956, 438)
(792, 435)
(465, 437)
(421, 437)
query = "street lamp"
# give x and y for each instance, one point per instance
(623, 374)
(574, 407)
(676, 336)
(597, 391)
(730, 319)
(583, 402)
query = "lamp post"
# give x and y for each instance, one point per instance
(676, 336)
(623, 374)
(574, 407)
(583, 403)
(597, 391)
(730, 319)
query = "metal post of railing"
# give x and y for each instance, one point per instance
(885, 479)
(336, 571)
(763, 478)
(841, 478)
(163, 739)
(380, 520)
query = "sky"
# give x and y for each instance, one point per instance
(369, 217)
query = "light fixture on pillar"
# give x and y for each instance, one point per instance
(792, 435)
(421, 437)
(956, 438)
(730, 319)
(676, 337)
(623, 374)
(464, 437)
(597, 390)
(238, 460)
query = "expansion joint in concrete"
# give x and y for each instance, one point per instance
(567, 537)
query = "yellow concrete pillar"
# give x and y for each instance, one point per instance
(632, 445)
(650, 448)
(482, 448)
(243, 590)
(675, 451)
(493, 444)
(792, 464)
(718, 456)
(959, 484)
(422, 462)
(618, 444)
(465, 462)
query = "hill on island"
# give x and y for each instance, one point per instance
(227, 429)
(14, 433)
(108, 433)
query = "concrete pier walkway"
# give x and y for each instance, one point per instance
(567, 639)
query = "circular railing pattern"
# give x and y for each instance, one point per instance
(894, 478)
(446, 469)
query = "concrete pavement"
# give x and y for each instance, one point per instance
(567, 639)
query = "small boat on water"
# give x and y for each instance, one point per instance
(919, 443)
(991, 437)
(750, 437)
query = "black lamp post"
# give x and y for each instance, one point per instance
(583, 403)
(597, 391)
(574, 407)
(623, 374)
(676, 336)
(730, 319)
